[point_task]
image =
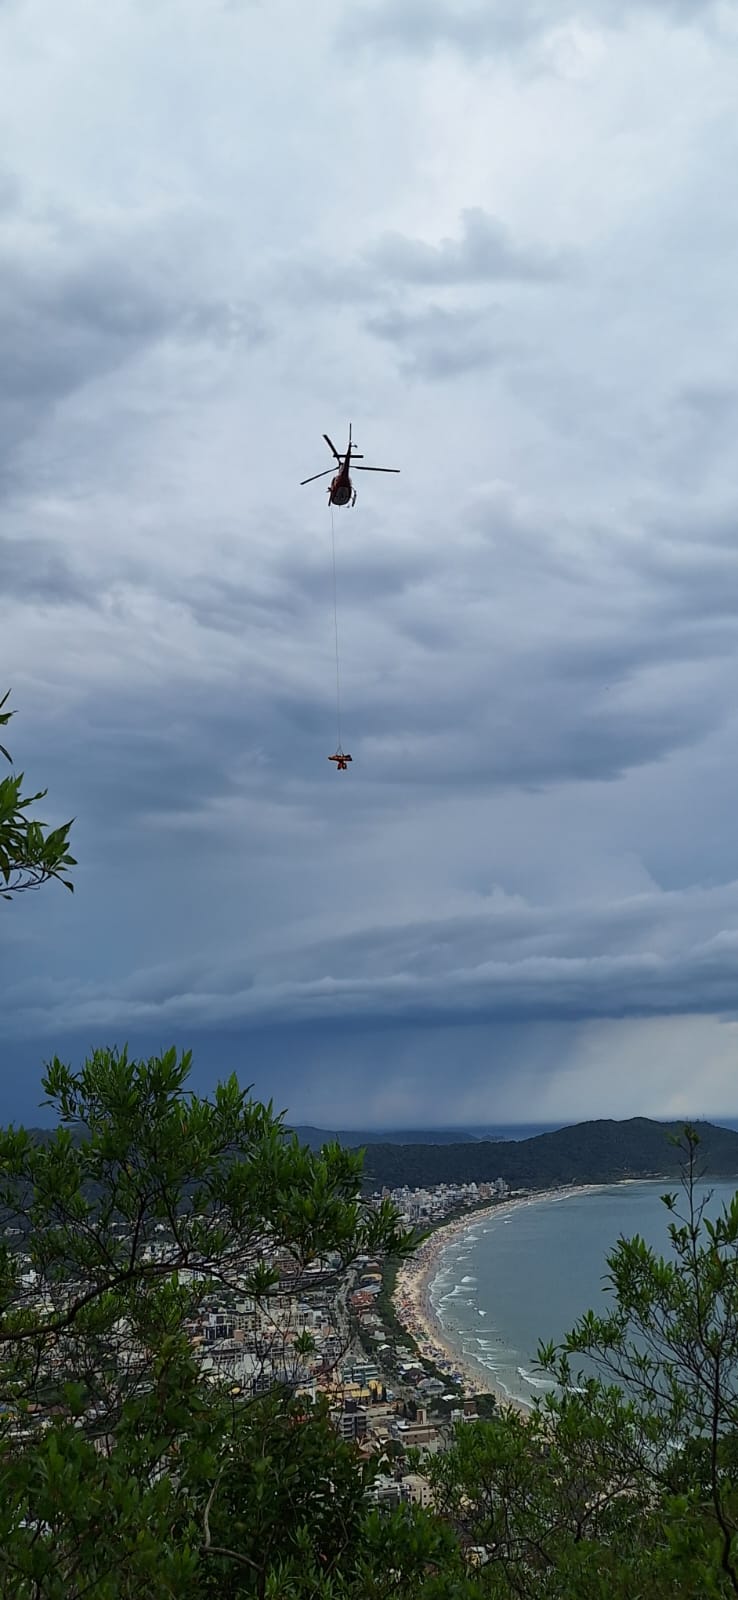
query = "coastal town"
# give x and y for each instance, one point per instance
(370, 1341)
(364, 1340)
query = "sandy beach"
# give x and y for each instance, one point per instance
(413, 1304)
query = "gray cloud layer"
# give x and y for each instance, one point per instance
(515, 965)
(478, 30)
(482, 253)
(518, 285)
(78, 304)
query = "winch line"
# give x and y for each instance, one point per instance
(335, 625)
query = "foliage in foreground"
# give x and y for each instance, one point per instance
(128, 1467)
(30, 853)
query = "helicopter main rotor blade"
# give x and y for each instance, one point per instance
(331, 446)
(315, 475)
(378, 469)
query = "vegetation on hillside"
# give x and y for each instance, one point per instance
(316, 1137)
(589, 1152)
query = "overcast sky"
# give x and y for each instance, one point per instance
(501, 238)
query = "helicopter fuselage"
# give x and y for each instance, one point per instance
(341, 490)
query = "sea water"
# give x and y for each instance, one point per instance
(530, 1272)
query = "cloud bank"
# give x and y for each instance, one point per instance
(516, 278)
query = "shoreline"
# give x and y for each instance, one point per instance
(416, 1313)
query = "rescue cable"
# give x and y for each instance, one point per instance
(339, 747)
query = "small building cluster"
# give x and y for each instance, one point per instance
(417, 1206)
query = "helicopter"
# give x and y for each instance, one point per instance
(342, 491)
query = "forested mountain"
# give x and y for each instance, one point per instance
(317, 1137)
(590, 1152)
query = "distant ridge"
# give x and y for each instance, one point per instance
(315, 1137)
(588, 1152)
(604, 1151)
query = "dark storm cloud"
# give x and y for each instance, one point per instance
(437, 343)
(686, 566)
(715, 402)
(319, 281)
(10, 191)
(148, 756)
(75, 309)
(182, 779)
(35, 569)
(296, 587)
(700, 427)
(61, 330)
(537, 619)
(449, 667)
(597, 695)
(466, 973)
(421, 26)
(591, 700)
(483, 252)
(513, 931)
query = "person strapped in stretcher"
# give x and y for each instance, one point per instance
(341, 761)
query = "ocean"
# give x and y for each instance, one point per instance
(530, 1273)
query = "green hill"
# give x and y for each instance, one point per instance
(589, 1152)
(317, 1137)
